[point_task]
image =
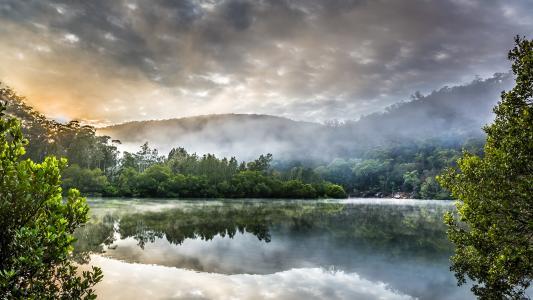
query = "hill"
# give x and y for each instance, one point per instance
(225, 135)
(450, 114)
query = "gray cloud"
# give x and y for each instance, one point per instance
(112, 61)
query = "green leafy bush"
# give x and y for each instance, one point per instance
(37, 225)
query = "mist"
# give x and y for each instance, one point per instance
(449, 114)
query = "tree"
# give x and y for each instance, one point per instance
(411, 181)
(430, 189)
(77, 142)
(37, 225)
(262, 164)
(493, 232)
(334, 191)
(91, 182)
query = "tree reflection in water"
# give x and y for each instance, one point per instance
(395, 229)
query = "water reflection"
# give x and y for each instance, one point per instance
(157, 282)
(402, 245)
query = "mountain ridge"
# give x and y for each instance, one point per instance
(450, 113)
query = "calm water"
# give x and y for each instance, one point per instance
(265, 249)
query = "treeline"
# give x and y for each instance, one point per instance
(180, 174)
(78, 143)
(403, 171)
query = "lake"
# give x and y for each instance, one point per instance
(270, 249)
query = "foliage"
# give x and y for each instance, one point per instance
(334, 191)
(74, 141)
(409, 168)
(493, 233)
(37, 225)
(430, 189)
(90, 182)
(219, 178)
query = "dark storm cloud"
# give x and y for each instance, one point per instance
(306, 59)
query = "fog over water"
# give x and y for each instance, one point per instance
(272, 249)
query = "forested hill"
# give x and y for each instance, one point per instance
(245, 136)
(450, 114)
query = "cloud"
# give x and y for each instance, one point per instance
(71, 38)
(146, 281)
(309, 60)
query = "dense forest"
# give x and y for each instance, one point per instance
(404, 170)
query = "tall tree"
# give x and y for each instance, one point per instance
(493, 232)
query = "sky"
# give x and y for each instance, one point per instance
(105, 62)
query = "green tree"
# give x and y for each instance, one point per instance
(411, 182)
(90, 182)
(262, 164)
(126, 183)
(297, 189)
(493, 232)
(430, 189)
(334, 191)
(37, 225)
(153, 181)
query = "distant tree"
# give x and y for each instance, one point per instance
(37, 225)
(430, 189)
(411, 181)
(126, 183)
(74, 141)
(338, 171)
(91, 182)
(297, 189)
(261, 164)
(334, 191)
(129, 160)
(493, 233)
(152, 182)
(146, 157)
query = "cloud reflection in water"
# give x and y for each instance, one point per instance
(158, 282)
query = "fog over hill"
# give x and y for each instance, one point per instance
(450, 113)
(241, 135)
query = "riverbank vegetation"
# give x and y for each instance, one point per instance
(180, 174)
(493, 230)
(404, 170)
